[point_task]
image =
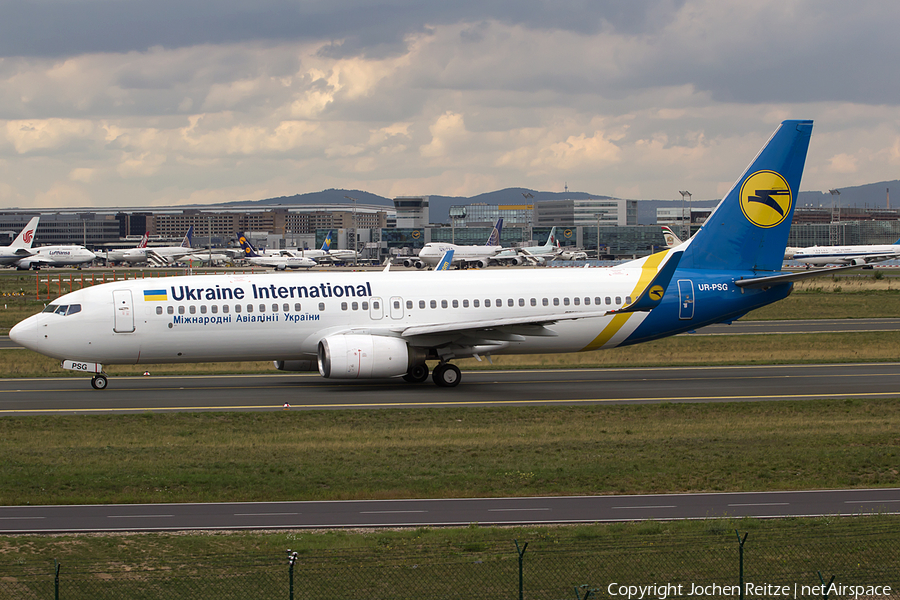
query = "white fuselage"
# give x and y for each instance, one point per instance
(432, 252)
(824, 255)
(283, 317)
(57, 256)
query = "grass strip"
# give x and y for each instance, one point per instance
(449, 452)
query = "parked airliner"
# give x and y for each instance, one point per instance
(847, 255)
(535, 255)
(55, 256)
(279, 263)
(21, 246)
(463, 256)
(366, 325)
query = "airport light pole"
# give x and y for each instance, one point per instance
(687, 232)
(355, 244)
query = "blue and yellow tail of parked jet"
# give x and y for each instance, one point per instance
(733, 264)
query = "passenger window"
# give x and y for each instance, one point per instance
(158, 310)
(297, 307)
(180, 310)
(343, 306)
(274, 308)
(566, 301)
(456, 304)
(499, 303)
(237, 308)
(225, 308)
(545, 302)
(556, 302)
(202, 309)
(475, 303)
(433, 304)
(286, 307)
(409, 304)
(421, 304)
(443, 304)
(510, 302)
(576, 301)
(321, 306)
(627, 299)
(521, 301)
(262, 308)
(534, 301)
(249, 308)
(598, 301)
(193, 309)
(376, 305)
(618, 300)
(214, 309)
(365, 306)
(587, 300)
(608, 300)
(170, 309)
(397, 304)
(466, 303)
(354, 305)
(487, 303)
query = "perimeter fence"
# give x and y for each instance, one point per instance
(715, 563)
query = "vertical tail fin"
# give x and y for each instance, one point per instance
(445, 262)
(672, 240)
(494, 238)
(26, 237)
(186, 242)
(144, 239)
(749, 228)
(326, 245)
(247, 247)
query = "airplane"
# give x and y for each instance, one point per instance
(21, 246)
(673, 240)
(111, 256)
(325, 254)
(55, 256)
(160, 255)
(463, 256)
(365, 325)
(280, 263)
(531, 254)
(846, 255)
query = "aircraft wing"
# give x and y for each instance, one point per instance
(769, 281)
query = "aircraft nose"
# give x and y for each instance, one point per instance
(25, 333)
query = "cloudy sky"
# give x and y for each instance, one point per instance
(158, 102)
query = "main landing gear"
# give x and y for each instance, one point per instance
(99, 381)
(444, 375)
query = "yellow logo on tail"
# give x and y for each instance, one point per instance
(656, 292)
(766, 199)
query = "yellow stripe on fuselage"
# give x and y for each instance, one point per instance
(648, 272)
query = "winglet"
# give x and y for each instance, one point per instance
(656, 289)
(445, 262)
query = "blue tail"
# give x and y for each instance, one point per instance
(749, 228)
(494, 238)
(188, 237)
(247, 247)
(326, 245)
(445, 262)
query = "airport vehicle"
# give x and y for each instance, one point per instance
(55, 256)
(279, 263)
(21, 246)
(846, 255)
(367, 325)
(536, 255)
(463, 256)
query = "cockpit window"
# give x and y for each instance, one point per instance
(62, 309)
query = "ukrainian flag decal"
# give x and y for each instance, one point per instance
(156, 295)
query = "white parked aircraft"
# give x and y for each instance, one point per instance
(673, 240)
(55, 256)
(280, 263)
(536, 255)
(111, 256)
(21, 246)
(323, 255)
(364, 325)
(160, 255)
(846, 255)
(463, 256)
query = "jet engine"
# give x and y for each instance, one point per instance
(296, 365)
(481, 264)
(413, 262)
(363, 357)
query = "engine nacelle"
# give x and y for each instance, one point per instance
(518, 261)
(296, 365)
(363, 357)
(481, 264)
(408, 262)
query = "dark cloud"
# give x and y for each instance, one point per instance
(57, 28)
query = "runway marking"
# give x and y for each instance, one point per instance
(764, 504)
(869, 501)
(265, 514)
(457, 403)
(20, 518)
(391, 512)
(139, 516)
(630, 507)
(516, 509)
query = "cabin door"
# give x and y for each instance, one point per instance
(376, 308)
(124, 308)
(396, 307)
(685, 299)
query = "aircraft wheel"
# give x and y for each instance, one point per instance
(446, 375)
(99, 382)
(417, 373)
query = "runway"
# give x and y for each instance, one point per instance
(74, 395)
(449, 512)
